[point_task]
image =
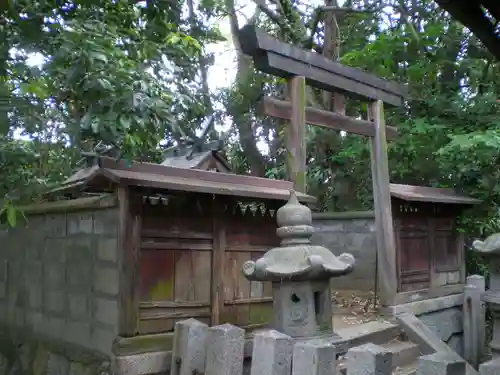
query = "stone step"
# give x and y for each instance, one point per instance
(404, 357)
(377, 332)
(407, 369)
(403, 352)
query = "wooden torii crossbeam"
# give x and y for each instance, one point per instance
(300, 67)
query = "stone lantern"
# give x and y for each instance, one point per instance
(300, 274)
(491, 248)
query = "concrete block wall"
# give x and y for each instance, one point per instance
(352, 232)
(59, 277)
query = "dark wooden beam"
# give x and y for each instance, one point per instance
(283, 109)
(284, 60)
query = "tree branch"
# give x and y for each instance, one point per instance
(472, 16)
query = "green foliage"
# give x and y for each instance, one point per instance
(114, 73)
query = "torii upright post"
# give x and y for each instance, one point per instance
(284, 60)
(296, 134)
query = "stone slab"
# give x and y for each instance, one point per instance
(441, 364)
(224, 350)
(427, 306)
(444, 323)
(142, 364)
(490, 368)
(313, 358)
(376, 332)
(57, 365)
(427, 340)
(403, 352)
(369, 359)
(456, 342)
(106, 280)
(272, 354)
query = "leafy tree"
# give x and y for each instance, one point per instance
(116, 73)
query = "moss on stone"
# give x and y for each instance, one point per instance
(143, 344)
(260, 313)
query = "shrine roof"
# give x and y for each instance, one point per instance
(430, 194)
(110, 171)
(197, 161)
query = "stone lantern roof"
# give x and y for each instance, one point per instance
(489, 246)
(296, 259)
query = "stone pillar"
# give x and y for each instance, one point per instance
(188, 354)
(440, 364)
(225, 345)
(490, 368)
(272, 353)
(369, 359)
(314, 357)
(491, 248)
(474, 320)
(302, 309)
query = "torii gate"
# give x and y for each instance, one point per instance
(300, 67)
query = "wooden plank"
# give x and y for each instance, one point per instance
(202, 272)
(157, 275)
(249, 249)
(171, 304)
(251, 300)
(90, 203)
(386, 247)
(431, 235)
(256, 287)
(284, 60)
(217, 263)
(283, 109)
(129, 258)
(295, 134)
(163, 319)
(230, 281)
(124, 346)
(241, 290)
(158, 244)
(177, 234)
(175, 313)
(192, 270)
(460, 244)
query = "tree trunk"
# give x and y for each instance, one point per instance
(243, 121)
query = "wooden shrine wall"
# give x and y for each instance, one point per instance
(429, 248)
(176, 264)
(248, 236)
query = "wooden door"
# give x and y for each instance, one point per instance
(414, 254)
(175, 269)
(249, 234)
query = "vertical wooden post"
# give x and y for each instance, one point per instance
(433, 272)
(218, 250)
(296, 134)
(339, 103)
(129, 250)
(386, 247)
